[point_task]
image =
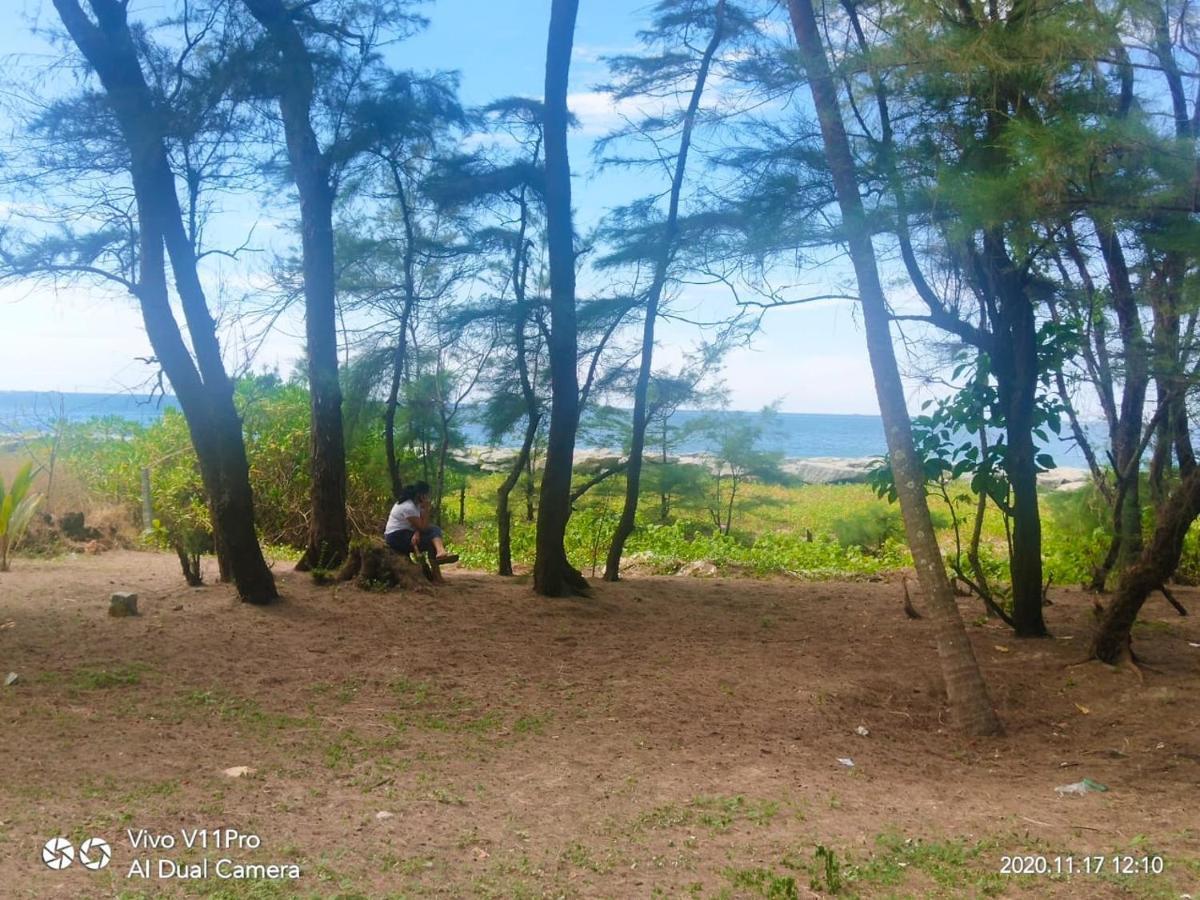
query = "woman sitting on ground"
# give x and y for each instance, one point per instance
(408, 529)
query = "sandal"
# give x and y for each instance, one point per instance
(447, 558)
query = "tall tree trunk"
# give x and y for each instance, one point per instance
(399, 357)
(1127, 434)
(637, 445)
(519, 276)
(1015, 364)
(965, 688)
(1157, 563)
(328, 537)
(390, 408)
(503, 512)
(202, 386)
(553, 575)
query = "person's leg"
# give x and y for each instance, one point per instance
(400, 541)
(432, 542)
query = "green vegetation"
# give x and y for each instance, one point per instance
(17, 506)
(780, 527)
(100, 679)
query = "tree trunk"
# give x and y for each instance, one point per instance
(391, 406)
(1156, 564)
(553, 575)
(1127, 431)
(637, 446)
(439, 487)
(503, 513)
(969, 702)
(399, 358)
(1015, 364)
(530, 492)
(201, 384)
(328, 537)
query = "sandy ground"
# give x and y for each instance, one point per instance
(669, 737)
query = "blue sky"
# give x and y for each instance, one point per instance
(812, 359)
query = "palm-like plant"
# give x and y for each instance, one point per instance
(17, 505)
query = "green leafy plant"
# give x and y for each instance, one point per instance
(831, 871)
(869, 528)
(17, 505)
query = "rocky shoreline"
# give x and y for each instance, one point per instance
(808, 470)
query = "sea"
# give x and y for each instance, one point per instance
(792, 435)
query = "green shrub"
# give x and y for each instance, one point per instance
(17, 505)
(868, 528)
(1076, 532)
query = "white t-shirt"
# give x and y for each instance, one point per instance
(401, 512)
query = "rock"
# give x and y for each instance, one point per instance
(830, 470)
(861, 731)
(11, 678)
(700, 568)
(239, 771)
(1064, 478)
(383, 815)
(846, 761)
(122, 603)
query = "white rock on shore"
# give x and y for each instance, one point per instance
(1064, 478)
(830, 470)
(810, 470)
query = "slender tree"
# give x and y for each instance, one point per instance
(294, 82)
(646, 73)
(969, 700)
(553, 575)
(408, 127)
(502, 187)
(198, 377)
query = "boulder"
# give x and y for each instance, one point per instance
(1064, 478)
(831, 470)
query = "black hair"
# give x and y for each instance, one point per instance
(413, 491)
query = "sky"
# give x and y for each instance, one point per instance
(808, 359)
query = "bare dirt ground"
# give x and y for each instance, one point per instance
(669, 737)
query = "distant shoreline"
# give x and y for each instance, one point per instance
(838, 438)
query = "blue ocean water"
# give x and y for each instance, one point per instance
(31, 412)
(795, 435)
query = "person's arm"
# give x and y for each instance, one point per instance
(420, 523)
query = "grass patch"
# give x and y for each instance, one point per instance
(956, 867)
(232, 708)
(714, 813)
(88, 679)
(531, 724)
(762, 882)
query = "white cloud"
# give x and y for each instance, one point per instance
(599, 113)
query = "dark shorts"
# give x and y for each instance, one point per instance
(401, 541)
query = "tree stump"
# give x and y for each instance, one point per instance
(375, 566)
(122, 604)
